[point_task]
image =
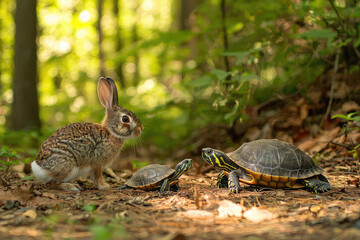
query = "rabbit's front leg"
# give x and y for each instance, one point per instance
(98, 180)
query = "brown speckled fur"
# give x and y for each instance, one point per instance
(78, 145)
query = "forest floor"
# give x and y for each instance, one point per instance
(30, 210)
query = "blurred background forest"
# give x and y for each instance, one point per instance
(197, 73)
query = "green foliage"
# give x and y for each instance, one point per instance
(353, 116)
(112, 230)
(354, 152)
(352, 122)
(89, 208)
(28, 141)
(350, 118)
(8, 158)
(316, 34)
(137, 165)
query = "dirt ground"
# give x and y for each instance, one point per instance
(30, 210)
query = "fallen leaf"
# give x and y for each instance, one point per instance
(175, 200)
(31, 213)
(316, 208)
(258, 215)
(355, 182)
(229, 209)
(197, 214)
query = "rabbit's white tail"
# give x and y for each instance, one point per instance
(41, 174)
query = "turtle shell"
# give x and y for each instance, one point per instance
(272, 157)
(149, 176)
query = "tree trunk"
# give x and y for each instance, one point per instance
(135, 39)
(100, 38)
(1, 58)
(187, 7)
(25, 106)
(119, 44)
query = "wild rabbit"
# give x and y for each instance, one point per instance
(82, 149)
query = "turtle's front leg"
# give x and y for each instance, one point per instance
(165, 186)
(233, 181)
(317, 184)
(222, 180)
(234, 176)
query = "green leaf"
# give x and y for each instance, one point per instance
(137, 165)
(101, 232)
(249, 76)
(240, 56)
(30, 177)
(349, 116)
(232, 114)
(220, 74)
(357, 42)
(356, 119)
(4, 150)
(318, 34)
(342, 116)
(203, 81)
(89, 208)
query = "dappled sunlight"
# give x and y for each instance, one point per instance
(84, 16)
(148, 85)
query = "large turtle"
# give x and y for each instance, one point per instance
(267, 162)
(157, 176)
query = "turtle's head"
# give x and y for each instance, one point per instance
(182, 167)
(216, 158)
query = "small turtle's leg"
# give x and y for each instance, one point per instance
(165, 186)
(222, 180)
(175, 187)
(122, 187)
(317, 184)
(234, 176)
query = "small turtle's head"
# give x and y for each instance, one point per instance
(216, 158)
(183, 166)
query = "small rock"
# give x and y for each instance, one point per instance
(258, 215)
(31, 213)
(197, 214)
(229, 209)
(10, 204)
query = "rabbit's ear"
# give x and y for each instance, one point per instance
(105, 93)
(115, 99)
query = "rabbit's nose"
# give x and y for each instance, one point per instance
(138, 130)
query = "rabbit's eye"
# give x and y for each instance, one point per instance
(125, 119)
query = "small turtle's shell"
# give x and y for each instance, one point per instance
(149, 177)
(271, 157)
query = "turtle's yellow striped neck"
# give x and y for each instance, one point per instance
(220, 160)
(181, 167)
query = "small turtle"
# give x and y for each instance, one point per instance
(267, 162)
(157, 176)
